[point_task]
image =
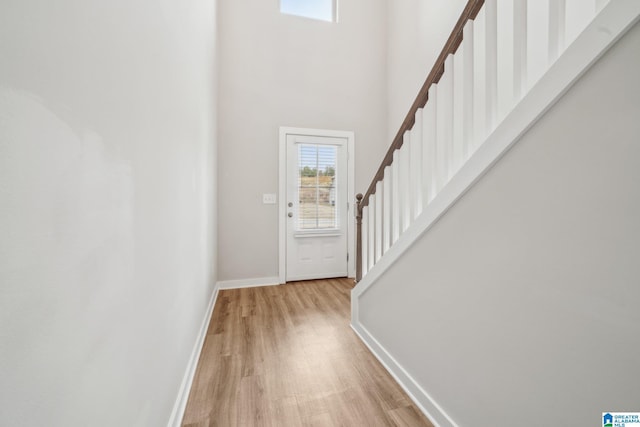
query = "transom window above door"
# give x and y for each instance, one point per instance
(317, 172)
(323, 10)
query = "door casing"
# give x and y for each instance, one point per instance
(282, 202)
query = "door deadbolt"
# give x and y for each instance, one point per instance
(290, 204)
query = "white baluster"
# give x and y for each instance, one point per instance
(467, 90)
(479, 80)
(378, 230)
(491, 64)
(519, 49)
(537, 40)
(505, 61)
(429, 138)
(399, 195)
(456, 156)
(416, 165)
(579, 14)
(557, 23)
(405, 200)
(386, 213)
(445, 125)
(396, 196)
(364, 235)
(372, 230)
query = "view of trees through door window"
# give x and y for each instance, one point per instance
(317, 165)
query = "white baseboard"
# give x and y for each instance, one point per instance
(428, 406)
(181, 402)
(249, 283)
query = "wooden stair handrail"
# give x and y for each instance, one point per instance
(470, 12)
(451, 46)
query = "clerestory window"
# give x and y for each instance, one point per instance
(323, 10)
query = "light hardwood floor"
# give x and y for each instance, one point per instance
(286, 356)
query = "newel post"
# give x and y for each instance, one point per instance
(358, 237)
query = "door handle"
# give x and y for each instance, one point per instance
(290, 214)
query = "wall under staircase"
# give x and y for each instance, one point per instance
(519, 304)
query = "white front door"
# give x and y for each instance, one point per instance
(316, 207)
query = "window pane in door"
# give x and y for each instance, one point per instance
(317, 172)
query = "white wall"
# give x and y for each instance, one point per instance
(417, 31)
(107, 212)
(519, 305)
(281, 70)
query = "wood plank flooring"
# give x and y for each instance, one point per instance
(286, 356)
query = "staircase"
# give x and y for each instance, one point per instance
(504, 66)
(501, 57)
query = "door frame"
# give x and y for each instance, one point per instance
(282, 184)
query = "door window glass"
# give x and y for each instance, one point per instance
(317, 173)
